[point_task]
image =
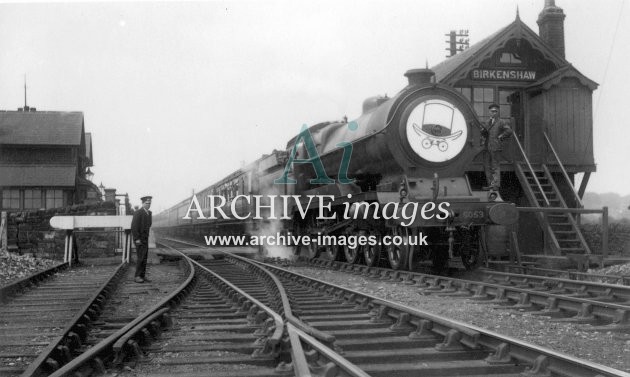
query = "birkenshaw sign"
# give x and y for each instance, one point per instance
(503, 75)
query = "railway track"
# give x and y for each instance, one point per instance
(571, 275)
(66, 315)
(604, 306)
(212, 334)
(42, 327)
(237, 317)
(597, 291)
(382, 338)
(248, 337)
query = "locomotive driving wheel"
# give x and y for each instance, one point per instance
(334, 252)
(372, 253)
(298, 247)
(353, 254)
(470, 250)
(398, 255)
(315, 249)
(470, 258)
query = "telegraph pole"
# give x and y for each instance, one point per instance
(458, 41)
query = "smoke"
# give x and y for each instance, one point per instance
(271, 228)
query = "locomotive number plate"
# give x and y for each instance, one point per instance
(473, 214)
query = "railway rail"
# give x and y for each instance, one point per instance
(561, 299)
(384, 338)
(56, 321)
(597, 291)
(233, 316)
(6, 292)
(42, 327)
(271, 337)
(572, 275)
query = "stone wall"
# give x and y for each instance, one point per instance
(30, 231)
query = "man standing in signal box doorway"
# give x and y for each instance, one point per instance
(493, 133)
(140, 226)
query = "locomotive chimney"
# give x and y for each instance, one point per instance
(420, 76)
(551, 26)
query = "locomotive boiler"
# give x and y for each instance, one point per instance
(411, 149)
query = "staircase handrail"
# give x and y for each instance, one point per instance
(531, 169)
(564, 172)
(564, 204)
(541, 216)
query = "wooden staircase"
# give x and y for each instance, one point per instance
(561, 228)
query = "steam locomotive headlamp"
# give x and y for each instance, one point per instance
(492, 196)
(436, 130)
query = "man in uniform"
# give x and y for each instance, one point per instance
(492, 135)
(140, 226)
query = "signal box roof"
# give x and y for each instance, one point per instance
(459, 66)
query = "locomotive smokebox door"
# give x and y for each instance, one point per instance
(438, 126)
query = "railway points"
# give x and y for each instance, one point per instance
(47, 324)
(423, 176)
(318, 308)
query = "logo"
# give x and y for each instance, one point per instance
(305, 139)
(436, 130)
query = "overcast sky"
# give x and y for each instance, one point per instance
(178, 95)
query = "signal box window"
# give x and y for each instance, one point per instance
(466, 92)
(506, 99)
(509, 58)
(482, 98)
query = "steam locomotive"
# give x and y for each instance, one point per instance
(412, 148)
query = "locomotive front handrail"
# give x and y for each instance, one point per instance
(564, 172)
(531, 169)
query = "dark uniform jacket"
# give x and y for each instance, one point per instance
(140, 225)
(492, 136)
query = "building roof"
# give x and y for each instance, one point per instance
(41, 127)
(455, 68)
(38, 175)
(562, 73)
(444, 68)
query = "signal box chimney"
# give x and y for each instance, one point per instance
(551, 26)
